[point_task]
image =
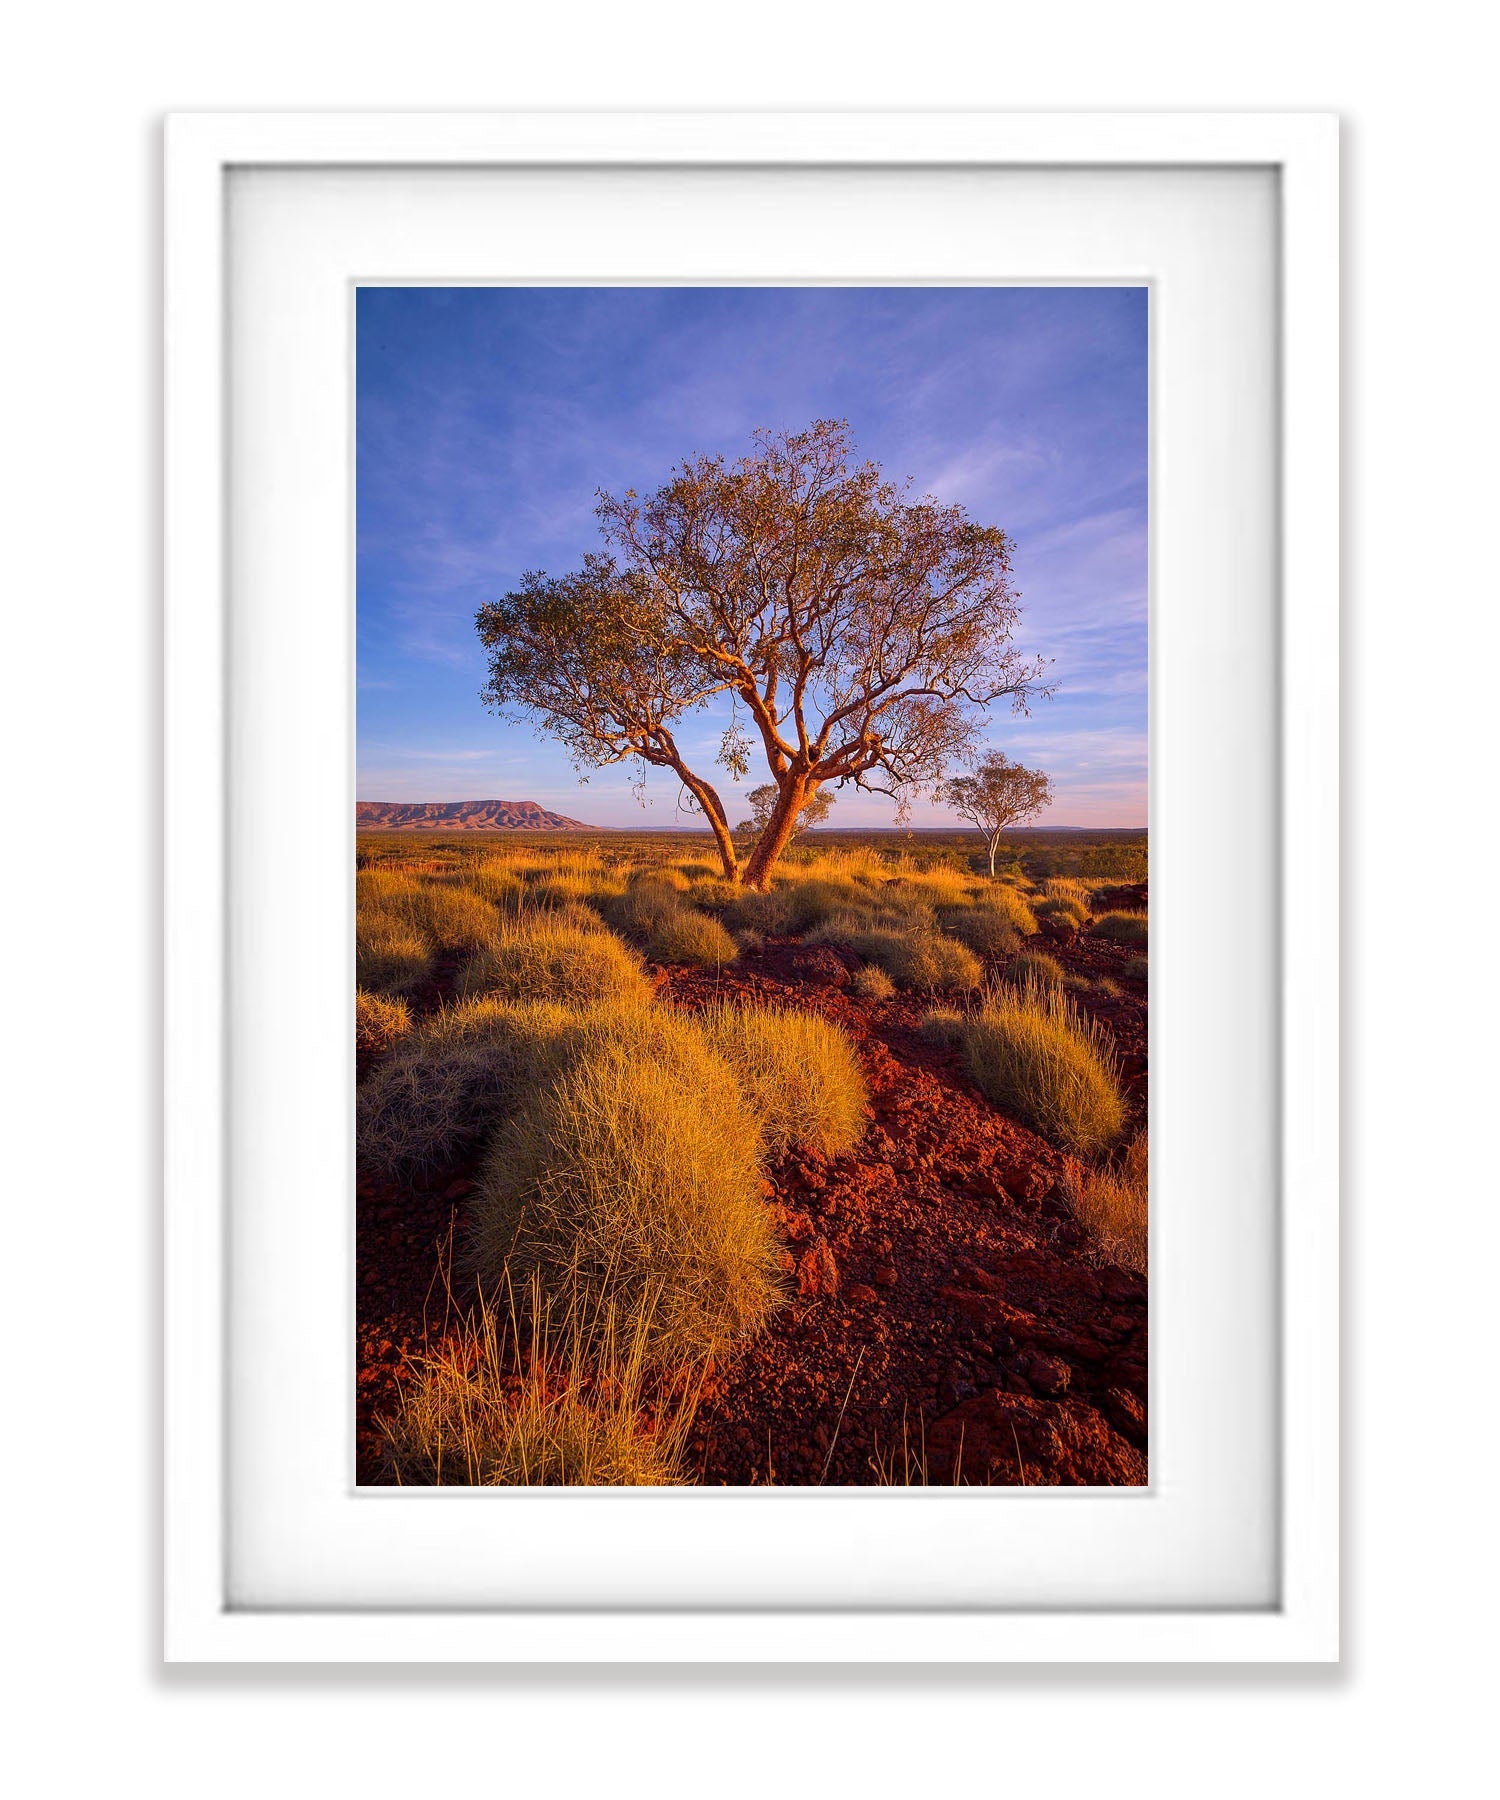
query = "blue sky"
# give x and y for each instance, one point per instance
(487, 418)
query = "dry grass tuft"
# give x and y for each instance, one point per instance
(389, 957)
(653, 915)
(1035, 1056)
(919, 960)
(379, 1023)
(576, 1413)
(798, 1073)
(629, 1185)
(539, 958)
(1037, 968)
(942, 1028)
(1011, 905)
(984, 930)
(872, 983)
(1123, 928)
(1136, 969)
(1112, 1203)
(445, 1087)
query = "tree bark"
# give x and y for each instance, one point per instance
(795, 791)
(712, 808)
(994, 846)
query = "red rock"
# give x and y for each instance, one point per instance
(860, 1295)
(817, 1272)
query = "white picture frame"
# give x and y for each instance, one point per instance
(203, 1620)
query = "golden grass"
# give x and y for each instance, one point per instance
(1123, 928)
(942, 1027)
(985, 930)
(798, 1074)
(446, 916)
(919, 960)
(1112, 1202)
(570, 1408)
(1011, 906)
(389, 957)
(539, 958)
(452, 1081)
(1035, 967)
(1032, 1054)
(652, 914)
(379, 1022)
(630, 1186)
(872, 983)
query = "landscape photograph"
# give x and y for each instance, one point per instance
(751, 887)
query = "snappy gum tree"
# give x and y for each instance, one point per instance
(861, 631)
(999, 794)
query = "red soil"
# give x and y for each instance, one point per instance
(950, 1319)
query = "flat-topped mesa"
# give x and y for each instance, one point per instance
(461, 815)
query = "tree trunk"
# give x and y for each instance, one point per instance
(795, 793)
(994, 846)
(712, 808)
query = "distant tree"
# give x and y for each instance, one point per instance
(999, 794)
(862, 631)
(763, 804)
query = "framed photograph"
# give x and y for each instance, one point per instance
(752, 715)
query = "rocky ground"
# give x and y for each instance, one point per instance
(950, 1319)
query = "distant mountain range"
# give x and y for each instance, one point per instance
(461, 815)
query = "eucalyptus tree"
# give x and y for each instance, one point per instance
(859, 633)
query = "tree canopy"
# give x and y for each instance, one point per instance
(859, 632)
(998, 793)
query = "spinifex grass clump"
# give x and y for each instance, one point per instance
(443, 915)
(379, 1023)
(798, 1073)
(389, 957)
(1036, 968)
(942, 1028)
(541, 958)
(438, 1094)
(872, 983)
(629, 1185)
(1123, 928)
(986, 930)
(1034, 1055)
(920, 960)
(652, 913)
(502, 1403)
(1011, 905)
(1112, 1203)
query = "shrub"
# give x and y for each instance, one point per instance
(540, 959)
(1135, 969)
(468, 1417)
(388, 955)
(1036, 968)
(1111, 1201)
(985, 931)
(628, 1187)
(872, 983)
(945, 1029)
(931, 888)
(813, 902)
(379, 1022)
(798, 1073)
(1032, 1054)
(1122, 927)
